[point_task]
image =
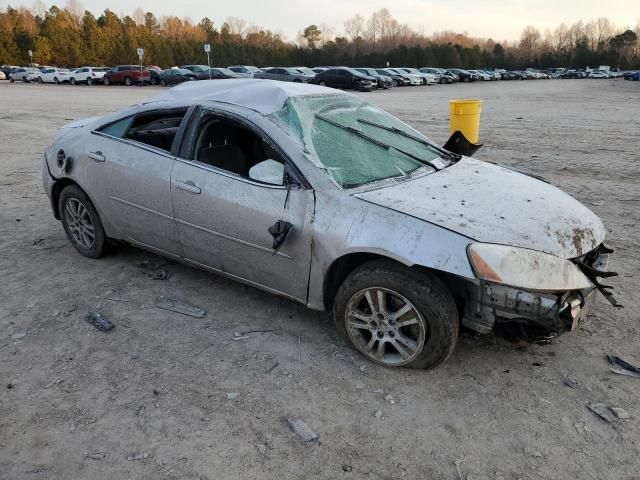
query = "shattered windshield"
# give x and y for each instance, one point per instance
(355, 142)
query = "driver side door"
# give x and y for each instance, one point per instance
(223, 215)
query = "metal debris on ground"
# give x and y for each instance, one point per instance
(601, 411)
(99, 321)
(95, 456)
(138, 456)
(620, 413)
(389, 399)
(232, 395)
(300, 428)
(625, 367)
(54, 382)
(272, 367)
(177, 306)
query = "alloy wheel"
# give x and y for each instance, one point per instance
(79, 223)
(385, 326)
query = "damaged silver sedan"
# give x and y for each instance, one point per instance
(321, 197)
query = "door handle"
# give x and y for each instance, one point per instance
(188, 186)
(97, 156)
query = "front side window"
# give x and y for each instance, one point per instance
(228, 145)
(355, 142)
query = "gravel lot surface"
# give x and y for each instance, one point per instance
(168, 396)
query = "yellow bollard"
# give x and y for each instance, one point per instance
(465, 116)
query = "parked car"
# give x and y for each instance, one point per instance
(2, 75)
(635, 76)
(88, 75)
(174, 76)
(384, 81)
(399, 80)
(54, 75)
(413, 78)
(218, 73)
(245, 70)
(345, 77)
(598, 74)
(25, 74)
(7, 69)
(306, 71)
(427, 78)
(463, 75)
(265, 182)
(126, 75)
(201, 71)
(319, 69)
(441, 74)
(283, 74)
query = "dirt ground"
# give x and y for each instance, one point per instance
(190, 402)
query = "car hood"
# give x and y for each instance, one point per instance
(493, 204)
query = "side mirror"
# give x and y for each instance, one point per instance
(268, 171)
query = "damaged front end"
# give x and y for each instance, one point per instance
(537, 312)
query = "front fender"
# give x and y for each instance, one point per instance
(345, 225)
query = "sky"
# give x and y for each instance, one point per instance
(497, 19)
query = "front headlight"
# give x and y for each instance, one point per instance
(524, 268)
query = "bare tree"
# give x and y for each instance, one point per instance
(354, 26)
(327, 34)
(529, 41)
(237, 26)
(39, 8)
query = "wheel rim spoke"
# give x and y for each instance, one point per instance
(79, 223)
(406, 323)
(390, 313)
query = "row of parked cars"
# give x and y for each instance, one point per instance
(359, 78)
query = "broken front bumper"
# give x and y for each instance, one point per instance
(488, 304)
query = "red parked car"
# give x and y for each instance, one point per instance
(126, 75)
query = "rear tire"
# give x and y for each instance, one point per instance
(127, 81)
(89, 81)
(81, 222)
(11, 80)
(55, 80)
(72, 81)
(106, 81)
(424, 336)
(163, 82)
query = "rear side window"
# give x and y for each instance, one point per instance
(156, 129)
(117, 129)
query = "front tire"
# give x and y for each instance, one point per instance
(81, 222)
(55, 80)
(89, 81)
(106, 82)
(396, 316)
(127, 81)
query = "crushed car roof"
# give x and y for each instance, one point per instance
(263, 96)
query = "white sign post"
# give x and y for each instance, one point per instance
(207, 50)
(30, 57)
(140, 55)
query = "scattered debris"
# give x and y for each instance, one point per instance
(10, 386)
(313, 359)
(99, 321)
(95, 456)
(626, 368)
(532, 452)
(140, 411)
(620, 413)
(300, 428)
(363, 368)
(232, 395)
(54, 382)
(138, 456)
(238, 336)
(347, 468)
(378, 391)
(601, 410)
(19, 336)
(256, 331)
(272, 367)
(378, 414)
(38, 242)
(299, 347)
(569, 382)
(177, 306)
(389, 399)
(263, 448)
(457, 463)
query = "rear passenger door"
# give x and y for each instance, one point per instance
(130, 162)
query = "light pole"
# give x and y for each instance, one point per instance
(207, 49)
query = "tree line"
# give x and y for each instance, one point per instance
(72, 36)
